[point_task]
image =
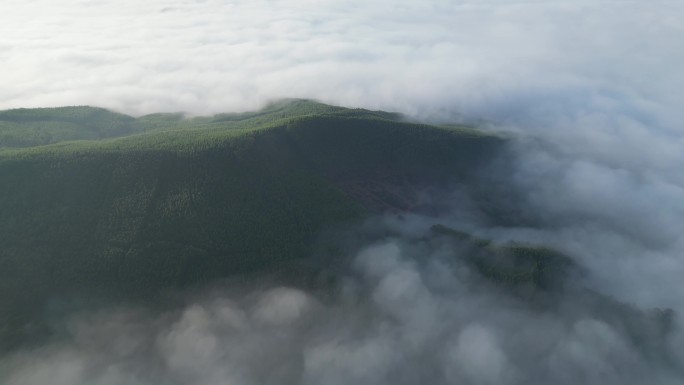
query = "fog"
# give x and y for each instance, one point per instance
(590, 90)
(496, 58)
(402, 313)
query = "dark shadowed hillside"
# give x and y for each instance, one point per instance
(188, 200)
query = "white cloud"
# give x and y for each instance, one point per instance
(481, 57)
(472, 333)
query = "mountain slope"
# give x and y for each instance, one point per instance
(39, 126)
(207, 198)
(30, 127)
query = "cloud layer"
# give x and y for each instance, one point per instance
(403, 315)
(485, 58)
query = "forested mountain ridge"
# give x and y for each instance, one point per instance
(179, 201)
(26, 127)
(29, 127)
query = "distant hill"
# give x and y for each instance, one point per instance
(40, 126)
(30, 127)
(129, 207)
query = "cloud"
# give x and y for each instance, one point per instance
(484, 58)
(612, 203)
(403, 314)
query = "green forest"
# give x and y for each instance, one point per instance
(103, 207)
(98, 202)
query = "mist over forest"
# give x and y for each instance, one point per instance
(298, 192)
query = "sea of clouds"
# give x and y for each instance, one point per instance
(402, 314)
(496, 58)
(592, 91)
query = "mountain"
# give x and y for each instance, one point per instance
(40, 126)
(129, 207)
(99, 209)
